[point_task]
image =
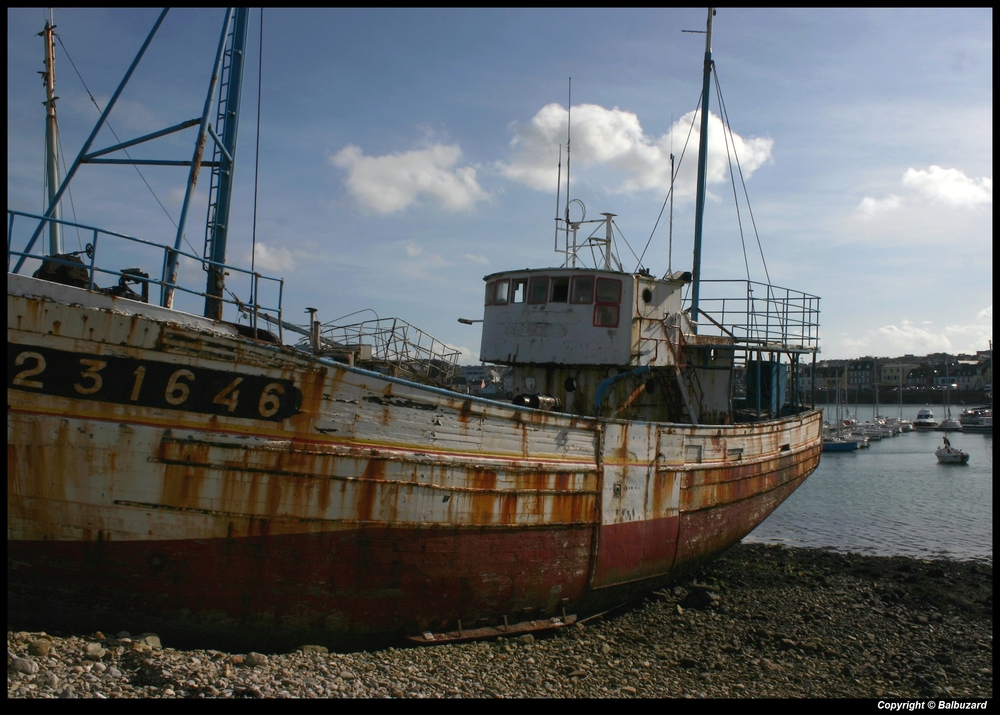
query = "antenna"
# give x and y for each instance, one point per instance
(670, 232)
(569, 122)
(558, 189)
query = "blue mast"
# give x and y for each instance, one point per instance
(221, 189)
(232, 44)
(699, 217)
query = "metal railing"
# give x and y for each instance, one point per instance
(89, 273)
(396, 348)
(760, 315)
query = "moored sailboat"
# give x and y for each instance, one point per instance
(946, 454)
(204, 479)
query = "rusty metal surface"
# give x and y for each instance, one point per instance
(467, 633)
(166, 473)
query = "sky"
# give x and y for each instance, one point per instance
(392, 158)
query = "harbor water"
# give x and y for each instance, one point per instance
(894, 498)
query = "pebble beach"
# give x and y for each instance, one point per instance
(758, 622)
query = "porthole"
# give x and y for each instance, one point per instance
(647, 296)
(570, 384)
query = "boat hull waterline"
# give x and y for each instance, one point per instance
(167, 474)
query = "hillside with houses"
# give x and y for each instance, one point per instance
(920, 379)
(969, 377)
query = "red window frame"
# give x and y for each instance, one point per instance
(607, 311)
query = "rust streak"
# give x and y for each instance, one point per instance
(367, 489)
(182, 483)
(484, 479)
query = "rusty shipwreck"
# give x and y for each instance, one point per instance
(215, 483)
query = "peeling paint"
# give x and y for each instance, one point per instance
(379, 508)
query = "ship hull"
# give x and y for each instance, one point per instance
(166, 474)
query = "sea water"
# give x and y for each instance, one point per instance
(894, 498)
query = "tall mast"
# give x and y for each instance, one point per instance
(233, 33)
(569, 126)
(221, 190)
(51, 135)
(699, 216)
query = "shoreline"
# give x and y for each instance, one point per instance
(760, 621)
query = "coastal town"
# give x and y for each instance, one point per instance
(969, 377)
(920, 378)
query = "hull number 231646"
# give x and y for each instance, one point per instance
(149, 383)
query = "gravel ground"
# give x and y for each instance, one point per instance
(760, 622)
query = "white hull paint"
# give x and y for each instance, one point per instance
(361, 451)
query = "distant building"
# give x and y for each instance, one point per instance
(861, 374)
(969, 377)
(484, 379)
(896, 374)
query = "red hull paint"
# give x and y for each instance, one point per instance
(362, 587)
(691, 540)
(635, 550)
(705, 531)
(351, 588)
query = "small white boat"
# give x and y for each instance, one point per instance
(949, 424)
(950, 455)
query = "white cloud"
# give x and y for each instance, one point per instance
(279, 260)
(466, 355)
(615, 139)
(871, 206)
(913, 339)
(938, 185)
(481, 260)
(394, 182)
(950, 186)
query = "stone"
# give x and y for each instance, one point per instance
(255, 659)
(805, 642)
(24, 665)
(40, 646)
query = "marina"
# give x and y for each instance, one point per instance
(894, 499)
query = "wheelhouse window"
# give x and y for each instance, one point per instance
(519, 290)
(491, 293)
(609, 291)
(502, 294)
(538, 289)
(583, 290)
(606, 316)
(609, 298)
(560, 290)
